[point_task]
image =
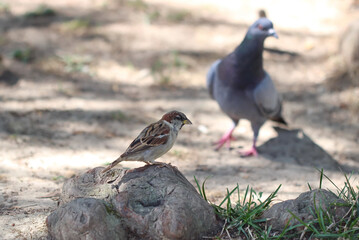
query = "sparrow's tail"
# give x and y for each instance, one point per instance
(114, 163)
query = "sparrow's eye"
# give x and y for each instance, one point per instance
(178, 117)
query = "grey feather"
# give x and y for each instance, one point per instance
(266, 98)
(239, 83)
(211, 76)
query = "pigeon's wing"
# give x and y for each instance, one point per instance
(152, 136)
(211, 75)
(266, 98)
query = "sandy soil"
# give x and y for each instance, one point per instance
(90, 89)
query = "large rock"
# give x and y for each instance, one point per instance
(152, 202)
(303, 207)
(91, 184)
(87, 219)
(159, 203)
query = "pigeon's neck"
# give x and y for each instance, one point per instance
(249, 54)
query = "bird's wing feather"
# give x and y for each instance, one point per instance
(154, 135)
(266, 97)
(211, 75)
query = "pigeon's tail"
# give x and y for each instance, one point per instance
(279, 119)
(114, 163)
(211, 76)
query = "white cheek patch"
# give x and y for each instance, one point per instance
(271, 31)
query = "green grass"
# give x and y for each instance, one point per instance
(242, 218)
(22, 55)
(152, 16)
(40, 11)
(76, 63)
(119, 116)
(4, 8)
(75, 25)
(178, 16)
(58, 178)
(166, 66)
(138, 5)
(324, 224)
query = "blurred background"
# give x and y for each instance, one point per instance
(80, 79)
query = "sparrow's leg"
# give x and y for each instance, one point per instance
(161, 164)
(226, 139)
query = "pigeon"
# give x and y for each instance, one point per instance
(242, 88)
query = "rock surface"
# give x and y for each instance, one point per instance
(85, 218)
(91, 184)
(303, 207)
(151, 202)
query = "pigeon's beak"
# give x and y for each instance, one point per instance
(272, 32)
(187, 121)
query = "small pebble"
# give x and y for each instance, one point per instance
(203, 129)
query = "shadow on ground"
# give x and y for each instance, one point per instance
(296, 147)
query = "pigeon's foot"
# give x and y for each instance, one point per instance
(248, 153)
(226, 139)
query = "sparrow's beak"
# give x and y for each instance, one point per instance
(187, 121)
(272, 32)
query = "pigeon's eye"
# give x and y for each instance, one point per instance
(260, 27)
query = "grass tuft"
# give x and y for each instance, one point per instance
(119, 116)
(75, 25)
(165, 67)
(242, 219)
(178, 16)
(4, 8)
(40, 11)
(138, 5)
(23, 55)
(76, 63)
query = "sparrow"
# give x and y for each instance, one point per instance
(242, 88)
(155, 140)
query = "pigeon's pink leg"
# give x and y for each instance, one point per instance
(227, 138)
(250, 152)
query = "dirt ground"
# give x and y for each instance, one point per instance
(101, 70)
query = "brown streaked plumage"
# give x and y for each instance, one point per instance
(155, 140)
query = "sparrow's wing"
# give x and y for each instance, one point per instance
(152, 136)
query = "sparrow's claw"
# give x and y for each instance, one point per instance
(162, 164)
(250, 152)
